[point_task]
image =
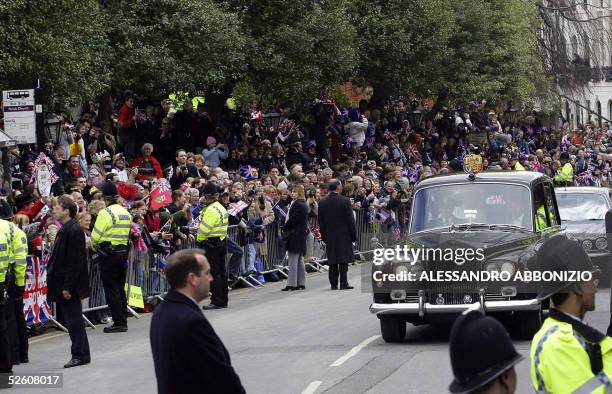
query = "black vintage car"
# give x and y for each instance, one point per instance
(494, 212)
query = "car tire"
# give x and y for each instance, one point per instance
(529, 322)
(393, 329)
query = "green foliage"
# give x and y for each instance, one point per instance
(166, 45)
(452, 49)
(62, 41)
(274, 50)
(298, 49)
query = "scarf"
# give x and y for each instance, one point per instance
(75, 172)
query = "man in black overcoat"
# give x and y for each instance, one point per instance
(188, 355)
(338, 231)
(68, 279)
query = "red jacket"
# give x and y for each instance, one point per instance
(156, 166)
(126, 117)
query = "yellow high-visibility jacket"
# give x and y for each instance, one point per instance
(213, 222)
(112, 225)
(560, 363)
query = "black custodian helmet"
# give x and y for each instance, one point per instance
(480, 351)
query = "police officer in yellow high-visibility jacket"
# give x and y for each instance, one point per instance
(212, 232)
(109, 240)
(6, 365)
(565, 176)
(15, 280)
(567, 355)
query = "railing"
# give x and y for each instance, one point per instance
(375, 228)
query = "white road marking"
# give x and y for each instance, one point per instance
(354, 351)
(312, 387)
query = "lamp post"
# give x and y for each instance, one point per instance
(53, 127)
(510, 115)
(272, 119)
(414, 117)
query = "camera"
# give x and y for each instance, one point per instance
(145, 171)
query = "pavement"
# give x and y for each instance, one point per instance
(312, 341)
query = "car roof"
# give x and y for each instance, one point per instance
(581, 189)
(524, 177)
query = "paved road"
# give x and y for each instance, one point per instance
(318, 340)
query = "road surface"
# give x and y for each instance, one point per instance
(312, 341)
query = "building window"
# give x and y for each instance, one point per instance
(598, 113)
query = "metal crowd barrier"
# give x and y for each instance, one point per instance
(145, 267)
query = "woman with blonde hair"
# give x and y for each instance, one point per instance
(295, 231)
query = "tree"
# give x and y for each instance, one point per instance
(160, 46)
(454, 50)
(573, 42)
(62, 42)
(298, 50)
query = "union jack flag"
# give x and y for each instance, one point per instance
(248, 172)
(35, 307)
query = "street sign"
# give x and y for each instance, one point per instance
(20, 115)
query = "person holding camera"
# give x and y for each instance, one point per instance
(182, 170)
(214, 153)
(147, 167)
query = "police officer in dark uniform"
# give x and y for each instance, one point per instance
(482, 355)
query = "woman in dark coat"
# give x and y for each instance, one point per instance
(295, 231)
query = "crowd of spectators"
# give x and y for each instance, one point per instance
(376, 153)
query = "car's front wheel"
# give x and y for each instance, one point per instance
(393, 329)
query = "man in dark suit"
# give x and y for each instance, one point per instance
(67, 278)
(338, 231)
(188, 355)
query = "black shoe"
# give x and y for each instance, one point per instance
(347, 287)
(334, 287)
(302, 287)
(75, 362)
(213, 306)
(287, 288)
(24, 360)
(115, 328)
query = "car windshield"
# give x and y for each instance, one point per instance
(581, 206)
(457, 204)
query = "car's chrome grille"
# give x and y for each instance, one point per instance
(451, 293)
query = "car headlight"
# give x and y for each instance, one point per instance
(400, 268)
(492, 267)
(416, 269)
(508, 267)
(587, 244)
(601, 243)
(501, 266)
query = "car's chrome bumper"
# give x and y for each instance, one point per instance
(427, 308)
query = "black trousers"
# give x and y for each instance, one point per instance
(216, 253)
(5, 349)
(335, 271)
(72, 313)
(17, 328)
(112, 272)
